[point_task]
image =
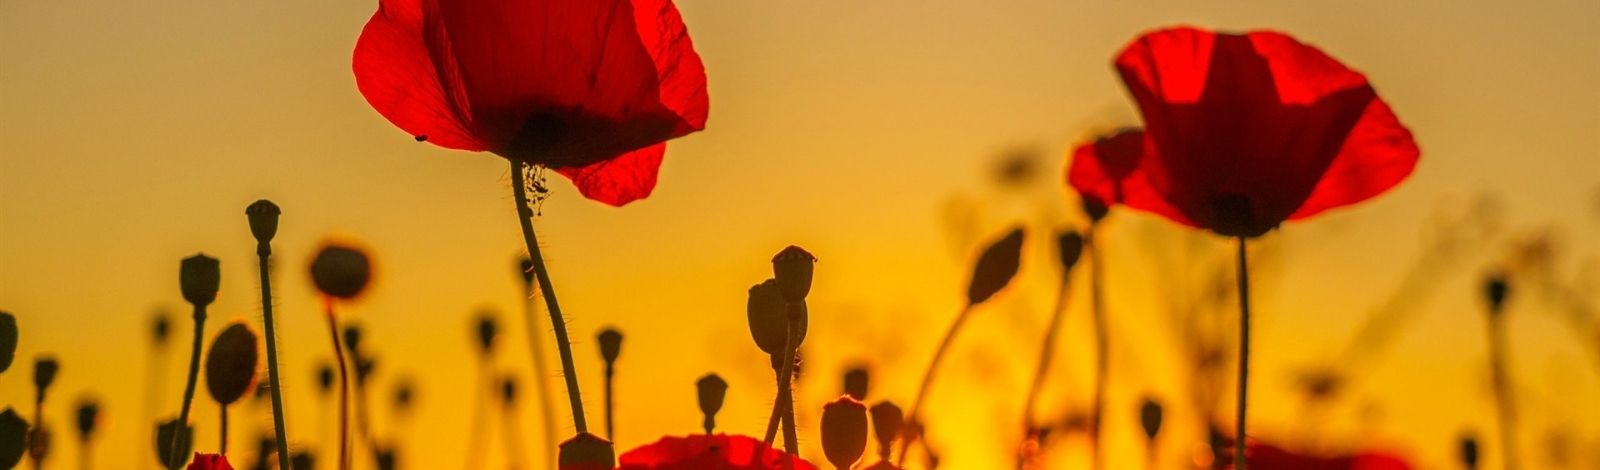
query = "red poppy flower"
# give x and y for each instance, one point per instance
(1269, 457)
(1243, 132)
(209, 462)
(702, 451)
(590, 88)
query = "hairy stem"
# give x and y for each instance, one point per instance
(541, 385)
(548, 291)
(274, 385)
(174, 458)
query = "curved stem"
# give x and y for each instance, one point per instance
(777, 408)
(37, 430)
(1046, 354)
(344, 390)
(182, 433)
(222, 447)
(785, 399)
(541, 387)
(1239, 437)
(546, 290)
(1502, 387)
(610, 425)
(274, 385)
(1102, 342)
(913, 418)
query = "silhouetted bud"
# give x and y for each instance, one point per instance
(508, 390)
(1150, 418)
(386, 458)
(161, 328)
(265, 447)
(855, 382)
(166, 434)
(341, 271)
(352, 338)
(1469, 452)
(711, 389)
(767, 313)
(303, 460)
(886, 423)
(586, 450)
(44, 374)
(777, 364)
(1095, 209)
(199, 276)
(793, 267)
(996, 266)
(13, 438)
(365, 367)
(525, 268)
(487, 329)
(8, 340)
(231, 363)
(844, 431)
(404, 395)
(1496, 290)
(263, 215)
(324, 378)
(88, 418)
(1069, 246)
(610, 344)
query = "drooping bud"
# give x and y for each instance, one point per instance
(1069, 246)
(1496, 290)
(44, 374)
(169, 432)
(844, 431)
(525, 269)
(231, 363)
(263, 215)
(1150, 417)
(711, 390)
(13, 438)
(996, 267)
(88, 418)
(508, 390)
(198, 277)
(586, 451)
(887, 420)
(610, 345)
(855, 382)
(324, 378)
(8, 340)
(1469, 452)
(487, 329)
(767, 313)
(341, 271)
(792, 268)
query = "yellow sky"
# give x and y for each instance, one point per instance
(133, 134)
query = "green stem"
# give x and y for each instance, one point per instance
(1239, 437)
(1502, 387)
(344, 390)
(175, 460)
(274, 385)
(913, 418)
(557, 323)
(540, 372)
(1102, 342)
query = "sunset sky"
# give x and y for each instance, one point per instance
(133, 134)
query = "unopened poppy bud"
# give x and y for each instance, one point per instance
(13, 438)
(487, 329)
(508, 390)
(341, 271)
(8, 340)
(711, 389)
(168, 433)
(303, 460)
(767, 313)
(844, 431)
(231, 363)
(263, 215)
(887, 420)
(386, 458)
(1150, 418)
(996, 267)
(161, 328)
(198, 277)
(352, 338)
(324, 378)
(1069, 246)
(793, 267)
(1496, 290)
(44, 374)
(525, 269)
(1469, 452)
(586, 451)
(88, 418)
(365, 366)
(855, 382)
(1095, 209)
(610, 344)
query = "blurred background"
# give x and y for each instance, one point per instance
(892, 139)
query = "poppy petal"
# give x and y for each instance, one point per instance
(620, 180)
(399, 76)
(1109, 171)
(1378, 155)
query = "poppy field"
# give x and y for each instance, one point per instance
(684, 234)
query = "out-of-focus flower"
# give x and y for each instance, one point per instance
(700, 451)
(1264, 456)
(341, 271)
(209, 462)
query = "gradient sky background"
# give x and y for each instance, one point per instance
(133, 134)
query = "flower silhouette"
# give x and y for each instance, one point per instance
(719, 451)
(589, 88)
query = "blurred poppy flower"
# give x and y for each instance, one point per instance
(700, 451)
(1243, 132)
(209, 462)
(590, 88)
(1269, 457)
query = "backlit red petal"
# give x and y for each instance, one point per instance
(398, 75)
(620, 180)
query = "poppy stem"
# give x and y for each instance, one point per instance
(1239, 444)
(279, 430)
(777, 407)
(222, 447)
(557, 324)
(1102, 342)
(1502, 388)
(914, 418)
(344, 389)
(175, 459)
(610, 426)
(1046, 353)
(782, 411)
(541, 387)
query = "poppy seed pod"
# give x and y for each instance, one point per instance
(341, 271)
(168, 434)
(263, 215)
(711, 389)
(44, 374)
(1150, 418)
(585, 451)
(995, 268)
(1469, 452)
(13, 438)
(8, 340)
(231, 363)
(487, 329)
(844, 431)
(887, 419)
(525, 269)
(1069, 246)
(855, 382)
(199, 276)
(1496, 289)
(767, 313)
(610, 344)
(793, 267)
(88, 417)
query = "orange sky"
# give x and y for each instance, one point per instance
(133, 134)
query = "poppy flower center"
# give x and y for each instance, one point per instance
(537, 138)
(1232, 215)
